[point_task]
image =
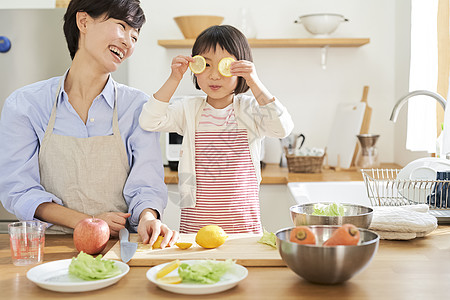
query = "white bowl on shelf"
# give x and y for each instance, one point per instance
(321, 25)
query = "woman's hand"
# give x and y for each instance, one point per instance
(179, 66)
(150, 228)
(115, 220)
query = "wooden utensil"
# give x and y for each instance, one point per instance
(366, 120)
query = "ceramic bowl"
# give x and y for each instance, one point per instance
(321, 25)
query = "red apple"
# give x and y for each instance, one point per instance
(91, 235)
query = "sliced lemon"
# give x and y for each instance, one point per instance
(183, 245)
(157, 243)
(198, 65)
(224, 66)
(168, 268)
(170, 279)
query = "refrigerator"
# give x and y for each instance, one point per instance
(38, 51)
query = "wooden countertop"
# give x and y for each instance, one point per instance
(416, 269)
(274, 174)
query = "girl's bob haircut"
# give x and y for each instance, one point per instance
(228, 38)
(128, 11)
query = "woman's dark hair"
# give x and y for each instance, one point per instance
(228, 38)
(128, 11)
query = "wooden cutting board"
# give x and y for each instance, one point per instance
(241, 247)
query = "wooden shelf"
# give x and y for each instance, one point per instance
(280, 43)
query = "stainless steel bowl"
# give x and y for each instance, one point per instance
(327, 265)
(358, 215)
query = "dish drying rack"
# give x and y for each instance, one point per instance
(384, 189)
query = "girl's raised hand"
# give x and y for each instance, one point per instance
(245, 69)
(179, 66)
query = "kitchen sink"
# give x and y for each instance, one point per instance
(352, 192)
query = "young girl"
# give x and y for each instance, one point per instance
(219, 170)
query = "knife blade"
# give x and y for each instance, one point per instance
(127, 249)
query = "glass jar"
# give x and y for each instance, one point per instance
(367, 156)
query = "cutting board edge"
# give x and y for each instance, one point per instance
(242, 262)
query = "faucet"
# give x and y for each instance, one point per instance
(403, 100)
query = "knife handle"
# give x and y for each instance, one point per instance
(123, 234)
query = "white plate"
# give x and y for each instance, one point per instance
(55, 276)
(420, 169)
(424, 169)
(228, 280)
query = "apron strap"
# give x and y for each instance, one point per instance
(51, 121)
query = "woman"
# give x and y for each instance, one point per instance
(72, 146)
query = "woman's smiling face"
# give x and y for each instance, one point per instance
(109, 41)
(217, 87)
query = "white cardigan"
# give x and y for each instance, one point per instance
(182, 117)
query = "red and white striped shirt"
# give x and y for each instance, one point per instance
(227, 187)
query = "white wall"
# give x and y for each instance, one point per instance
(294, 75)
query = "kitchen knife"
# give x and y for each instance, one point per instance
(127, 249)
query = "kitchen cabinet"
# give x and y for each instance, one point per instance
(280, 43)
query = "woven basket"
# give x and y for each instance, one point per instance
(304, 164)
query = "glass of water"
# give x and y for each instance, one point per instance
(27, 240)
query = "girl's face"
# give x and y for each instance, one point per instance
(109, 42)
(218, 88)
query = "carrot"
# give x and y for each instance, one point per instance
(347, 234)
(303, 235)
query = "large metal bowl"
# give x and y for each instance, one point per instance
(358, 215)
(327, 265)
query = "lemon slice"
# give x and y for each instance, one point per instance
(183, 245)
(224, 66)
(170, 279)
(198, 65)
(157, 243)
(168, 268)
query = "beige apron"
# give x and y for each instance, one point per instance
(87, 174)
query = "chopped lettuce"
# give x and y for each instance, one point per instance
(331, 210)
(87, 267)
(207, 272)
(268, 238)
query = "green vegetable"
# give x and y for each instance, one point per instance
(331, 210)
(87, 267)
(208, 271)
(268, 238)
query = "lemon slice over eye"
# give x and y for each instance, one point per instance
(224, 66)
(198, 65)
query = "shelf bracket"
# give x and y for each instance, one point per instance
(324, 55)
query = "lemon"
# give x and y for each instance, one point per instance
(224, 66)
(157, 243)
(198, 65)
(170, 279)
(211, 236)
(183, 245)
(168, 268)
